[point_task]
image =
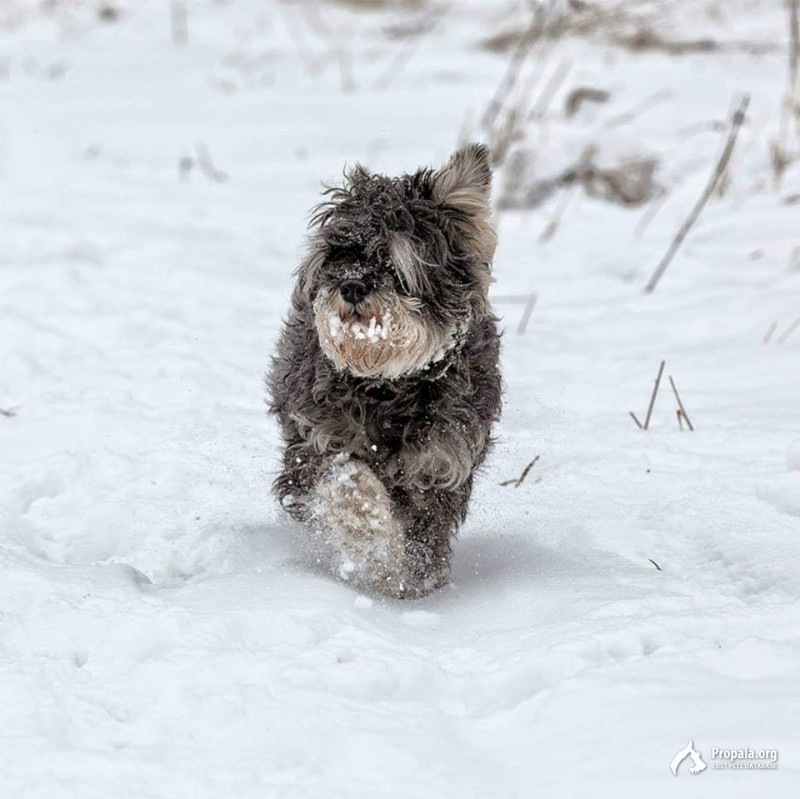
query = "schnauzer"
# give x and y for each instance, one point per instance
(386, 378)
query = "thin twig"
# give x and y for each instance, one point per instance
(515, 63)
(517, 482)
(681, 409)
(347, 81)
(549, 91)
(310, 62)
(518, 299)
(650, 213)
(789, 108)
(735, 124)
(569, 191)
(206, 164)
(646, 424)
(526, 314)
(653, 397)
(680, 418)
(794, 68)
(768, 335)
(638, 109)
(789, 330)
(654, 564)
(403, 57)
(179, 23)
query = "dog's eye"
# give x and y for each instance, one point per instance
(344, 255)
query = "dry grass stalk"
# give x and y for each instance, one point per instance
(529, 301)
(650, 213)
(629, 24)
(511, 77)
(549, 90)
(681, 410)
(310, 62)
(780, 149)
(630, 184)
(646, 424)
(206, 164)
(517, 482)
(403, 57)
(347, 80)
(768, 335)
(789, 330)
(736, 121)
(9, 413)
(375, 5)
(564, 201)
(584, 94)
(638, 109)
(179, 23)
(526, 314)
(506, 113)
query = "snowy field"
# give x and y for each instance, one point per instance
(163, 634)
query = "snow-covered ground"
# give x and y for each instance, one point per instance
(162, 633)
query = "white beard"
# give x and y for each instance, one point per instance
(385, 336)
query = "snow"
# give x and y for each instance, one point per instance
(371, 331)
(163, 630)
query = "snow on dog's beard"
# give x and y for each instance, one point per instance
(383, 336)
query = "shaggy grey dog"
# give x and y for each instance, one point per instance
(386, 379)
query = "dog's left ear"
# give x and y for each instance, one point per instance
(465, 181)
(464, 184)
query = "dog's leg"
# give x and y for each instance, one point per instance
(433, 519)
(354, 518)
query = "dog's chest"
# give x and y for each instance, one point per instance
(382, 418)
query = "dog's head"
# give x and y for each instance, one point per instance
(399, 267)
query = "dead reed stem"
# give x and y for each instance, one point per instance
(638, 109)
(646, 424)
(790, 107)
(650, 214)
(179, 23)
(517, 482)
(519, 299)
(518, 57)
(681, 409)
(549, 90)
(403, 57)
(789, 330)
(567, 195)
(736, 121)
(207, 166)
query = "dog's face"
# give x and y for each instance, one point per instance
(400, 266)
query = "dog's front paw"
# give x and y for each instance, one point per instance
(353, 515)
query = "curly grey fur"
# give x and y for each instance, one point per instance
(422, 243)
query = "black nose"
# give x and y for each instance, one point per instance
(353, 291)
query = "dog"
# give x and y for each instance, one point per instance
(386, 380)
